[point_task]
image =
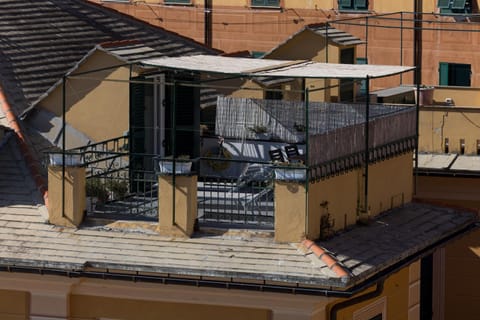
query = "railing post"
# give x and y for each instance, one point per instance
(177, 217)
(66, 186)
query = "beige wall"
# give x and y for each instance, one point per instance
(462, 256)
(14, 305)
(398, 296)
(462, 264)
(458, 191)
(342, 197)
(23, 295)
(455, 123)
(462, 97)
(99, 109)
(390, 185)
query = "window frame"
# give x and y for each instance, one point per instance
(265, 4)
(177, 2)
(454, 6)
(353, 5)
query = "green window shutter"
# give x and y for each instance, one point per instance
(361, 4)
(137, 115)
(458, 4)
(443, 74)
(136, 131)
(345, 4)
(443, 4)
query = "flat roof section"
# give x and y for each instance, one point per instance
(470, 163)
(435, 161)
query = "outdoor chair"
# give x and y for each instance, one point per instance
(276, 155)
(293, 155)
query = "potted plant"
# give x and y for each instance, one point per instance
(119, 188)
(183, 165)
(96, 192)
(261, 132)
(300, 130)
(425, 96)
(71, 159)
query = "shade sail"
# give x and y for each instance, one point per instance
(275, 68)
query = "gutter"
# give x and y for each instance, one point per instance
(31, 161)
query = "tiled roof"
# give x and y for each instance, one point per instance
(40, 40)
(335, 35)
(327, 31)
(27, 241)
(393, 236)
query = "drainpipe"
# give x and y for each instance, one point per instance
(347, 303)
(30, 160)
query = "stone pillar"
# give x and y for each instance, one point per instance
(290, 211)
(177, 218)
(74, 196)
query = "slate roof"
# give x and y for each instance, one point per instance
(325, 30)
(40, 40)
(27, 241)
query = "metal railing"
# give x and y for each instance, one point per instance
(246, 199)
(118, 183)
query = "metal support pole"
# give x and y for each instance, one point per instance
(401, 45)
(173, 140)
(417, 136)
(208, 23)
(417, 43)
(367, 146)
(326, 44)
(307, 163)
(64, 125)
(366, 38)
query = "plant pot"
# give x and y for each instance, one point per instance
(71, 160)
(290, 174)
(426, 96)
(181, 167)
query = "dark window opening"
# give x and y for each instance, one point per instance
(274, 94)
(455, 74)
(177, 1)
(265, 3)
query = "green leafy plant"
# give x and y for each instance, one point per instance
(258, 129)
(119, 188)
(94, 187)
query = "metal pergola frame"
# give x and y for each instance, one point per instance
(272, 68)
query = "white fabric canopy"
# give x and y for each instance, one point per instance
(275, 68)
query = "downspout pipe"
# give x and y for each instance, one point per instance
(364, 297)
(25, 147)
